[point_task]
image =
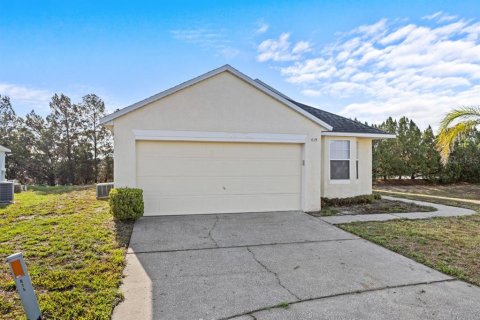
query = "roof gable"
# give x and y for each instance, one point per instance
(337, 125)
(226, 68)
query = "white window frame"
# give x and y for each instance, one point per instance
(339, 181)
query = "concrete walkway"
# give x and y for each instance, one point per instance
(243, 266)
(442, 211)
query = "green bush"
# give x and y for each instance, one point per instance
(126, 203)
(338, 202)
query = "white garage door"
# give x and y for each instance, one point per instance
(211, 177)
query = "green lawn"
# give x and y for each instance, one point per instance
(450, 245)
(74, 251)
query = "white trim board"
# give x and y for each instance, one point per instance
(359, 135)
(160, 135)
(110, 117)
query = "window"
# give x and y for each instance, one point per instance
(357, 159)
(340, 160)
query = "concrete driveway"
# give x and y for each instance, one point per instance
(241, 266)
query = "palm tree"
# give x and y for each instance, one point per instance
(468, 119)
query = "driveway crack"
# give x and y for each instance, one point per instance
(274, 273)
(211, 230)
(251, 313)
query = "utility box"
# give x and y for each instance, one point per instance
(103, 190)
(6, 192)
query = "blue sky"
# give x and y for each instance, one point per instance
(364, 59)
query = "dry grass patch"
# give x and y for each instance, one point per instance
(458, 190)
(450, 245)
(74, 250)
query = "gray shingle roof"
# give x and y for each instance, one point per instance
(339, 123)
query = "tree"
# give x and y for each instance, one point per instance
(44, 160)
(431, 165)
(14, 136)
(386, 161)
(469, 119)
(464, 160)
(67, 146)
(65, 118)
(96, 136)
(8, 120)
(414, 150)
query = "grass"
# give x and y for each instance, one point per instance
(327, 211)
(447, 202)
(74, 250)
(450, 245)
(377, 206)
(468, 191)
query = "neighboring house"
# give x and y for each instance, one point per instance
(3, 152)
(223, 142)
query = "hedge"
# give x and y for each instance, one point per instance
(337, 202)
(126, 203)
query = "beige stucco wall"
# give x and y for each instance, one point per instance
(354, 186)
(223, 103)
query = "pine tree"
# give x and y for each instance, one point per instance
(386, 161)
(414, 150)
(96, 136)
(66, 120)
(44, 160)
(431, 166)
(14, 136)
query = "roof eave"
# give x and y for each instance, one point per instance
(360, 135)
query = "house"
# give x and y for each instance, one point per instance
(223, 143)
(3, 152)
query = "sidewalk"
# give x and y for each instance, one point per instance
(442, 211)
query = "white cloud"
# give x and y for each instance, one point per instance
(311, 93)
(432, 16)
(440, 17)
(281, 49)
(391, 68)
(372, 29)
(25, 98)
(262, 28)
(207, 38)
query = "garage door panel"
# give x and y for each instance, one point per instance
(216, 204)
(221, 185)
(216, 167)
(205, 177)
(175, 149)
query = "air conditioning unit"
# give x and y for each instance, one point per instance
(6, 192)
(103, 189)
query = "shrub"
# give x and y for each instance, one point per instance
(337, 202)
(126, 203)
